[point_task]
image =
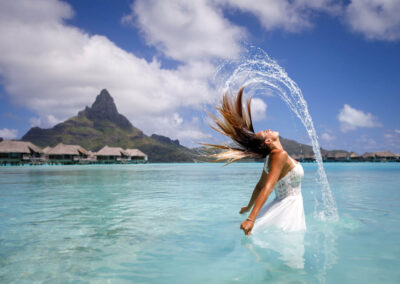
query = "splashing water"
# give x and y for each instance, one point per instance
(258, 72)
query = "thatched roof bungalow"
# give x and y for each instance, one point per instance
(18, 151)
(111, 154)
(298, 158)
(46, 150)
(337, 156)
(308, 157)
(355, 157)
(67, 153)
(385, 156)
(368, 156)
(136, 155)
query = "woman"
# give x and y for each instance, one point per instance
(280, 171)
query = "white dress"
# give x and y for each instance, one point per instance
(286, 211)
(280, 225)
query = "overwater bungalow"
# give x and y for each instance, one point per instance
(136, 156)
(337, 156)
(91, 157)
(354, 157)
(367, 156)
(67, 154)
(385, 156)
(45, 154)
(298, 158)
(309, 158)
(19, 152)
(112, 155)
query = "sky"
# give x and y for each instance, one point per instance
(156, 58)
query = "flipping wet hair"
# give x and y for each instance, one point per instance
(236, 123)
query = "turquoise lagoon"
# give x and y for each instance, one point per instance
(179, 223)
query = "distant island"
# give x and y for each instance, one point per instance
(101, 125)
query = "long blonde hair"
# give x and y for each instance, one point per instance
(236, 123)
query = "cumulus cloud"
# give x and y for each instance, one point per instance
(55, 70)
(186, 30)
(292, 16)
(8, 133)
(351, 119)
(258, 109)
(375, 19)
(392, 138)
(328, 137)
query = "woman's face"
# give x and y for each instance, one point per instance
(268, 135)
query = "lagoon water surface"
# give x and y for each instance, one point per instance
(179, 223)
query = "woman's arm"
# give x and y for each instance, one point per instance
(259, 186)
(277, 161)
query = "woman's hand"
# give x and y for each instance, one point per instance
(247, 226)
(244, 210)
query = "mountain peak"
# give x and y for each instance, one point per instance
(104, 108)
(104, 104)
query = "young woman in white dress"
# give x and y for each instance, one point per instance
(280, 171)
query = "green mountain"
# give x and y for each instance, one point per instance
(101, 124)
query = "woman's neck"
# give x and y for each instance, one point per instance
(276, 145)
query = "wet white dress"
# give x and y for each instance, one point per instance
(286, 211)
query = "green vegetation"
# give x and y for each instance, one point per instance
(102, 125)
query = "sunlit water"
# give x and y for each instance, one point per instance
(179, 223)
(261, 75)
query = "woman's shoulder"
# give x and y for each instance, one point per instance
(278, 154)
(275, 156)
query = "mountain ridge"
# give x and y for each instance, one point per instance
(102, 124)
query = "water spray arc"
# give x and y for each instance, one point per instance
(259, 73)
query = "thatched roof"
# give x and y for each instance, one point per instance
(309, 156)
(367, 155)
(111, 151)
(354, 155)
(297, 157)
(341, 155)
(62, 149)
(135, 153)
(336, 154)
(46, 150)
(385, 154)
(10, 146)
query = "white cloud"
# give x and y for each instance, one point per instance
(288, 15)
(174, 126)
(258, 109)
(328, 137)
(35, 121)
(392, 137)
(8, 133)
(351, 118)
(375, 19)
(186, 30)
(55, 70)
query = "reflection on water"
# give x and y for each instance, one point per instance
(288, 245)
(314, 250)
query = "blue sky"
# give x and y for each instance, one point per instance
(156, 58)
